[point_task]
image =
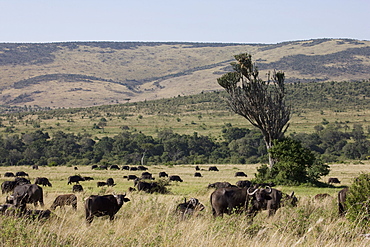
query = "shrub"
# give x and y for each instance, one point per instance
(358, 200)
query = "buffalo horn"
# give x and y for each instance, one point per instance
(251, 193)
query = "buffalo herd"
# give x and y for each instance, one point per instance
(226, 198)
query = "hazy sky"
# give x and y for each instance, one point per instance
(235, 21)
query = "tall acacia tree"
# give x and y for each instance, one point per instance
(261, 102)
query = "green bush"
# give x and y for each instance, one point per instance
(358, 200)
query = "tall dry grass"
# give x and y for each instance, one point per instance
(150, 219)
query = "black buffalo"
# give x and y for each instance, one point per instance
(21, 181)
(101, 184)
(35, 167)
(219, 185)
(322, 196)
(43, 181)
(21, 174)
(9, 174)
(77, 188)
(103, 205)
(8, 186)
(103, 167)
(125, 168)
(333, 181)
(244, 184)
(131, 177)
(133, 168)
(110, 182)
(197, 168)
(162, 174)
(213, 168)
(145, 186)
(142, 168)
(229, 200)
(114, 167)
(94, 167)
(240, 174)
(87, 178)
(264, 198)
(75, 179)
(189, 207)
(63, 200)
(146, 175)
(27, 193)
(198, 174)
(175, 178)
(342, 195)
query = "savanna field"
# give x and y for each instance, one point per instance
(150, 219)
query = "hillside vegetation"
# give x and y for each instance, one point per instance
(82, 74)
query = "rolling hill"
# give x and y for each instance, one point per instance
(83, 74)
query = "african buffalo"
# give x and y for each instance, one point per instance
(145, 186)
(21, 174)
(197, 168)
(21, 181)
(146, 175)
(229, 200)
(37, 214)
(77, 188)
(35, 167)
(101, 184)
(133, 168)
(63, 200)
(198, 174)
(189, 207)
(162, 174)
(240, 174)
(244, 184)
(333, 181)
(114, 167)
(28, 193)
(342, 195)
(142, 168)
(75, 179)
(110, 182)
(213, 168)
(87, 178)
(103, 205)
(264, 198)
(175, 178)
(321, 196)
(125, 168)
(8, 186)
(94, 167)
(43, 181)
(219, 185)
(9, 174)
(103, 167)
(131, 177)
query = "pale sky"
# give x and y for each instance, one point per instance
(226, 21)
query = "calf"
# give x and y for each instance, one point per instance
(63, 200)
(103, 205)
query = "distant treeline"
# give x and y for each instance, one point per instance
(332, 142)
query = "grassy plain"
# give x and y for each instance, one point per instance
(149, 219)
